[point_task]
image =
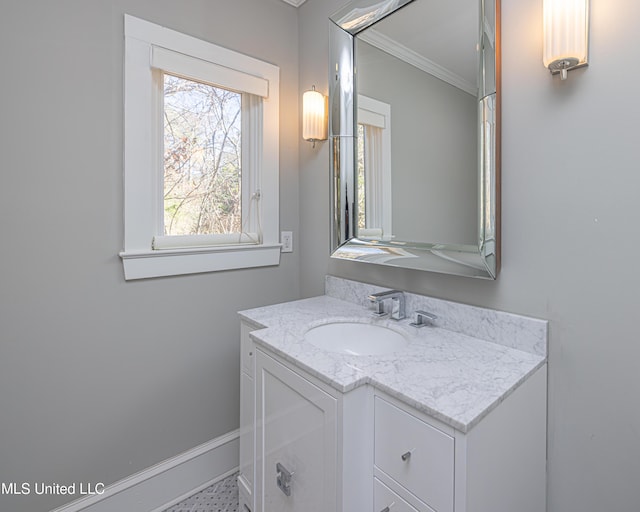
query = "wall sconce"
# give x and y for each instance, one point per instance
(566, 35)
(314, 116)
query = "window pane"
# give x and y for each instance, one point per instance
(202, 167)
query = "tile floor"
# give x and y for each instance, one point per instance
(219, 497)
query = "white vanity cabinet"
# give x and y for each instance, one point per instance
(306, 447)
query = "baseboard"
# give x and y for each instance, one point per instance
(160, 486)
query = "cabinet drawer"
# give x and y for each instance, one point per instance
(384, 497)
(416, 455)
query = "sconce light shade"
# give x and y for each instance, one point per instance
(566, 35)
(314, 116)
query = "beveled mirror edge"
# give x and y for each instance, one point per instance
(481, 261)
(497, 171)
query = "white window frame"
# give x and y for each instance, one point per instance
(377, 160)
(148, 47)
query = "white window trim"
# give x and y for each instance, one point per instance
(378, 196)
(142, 157)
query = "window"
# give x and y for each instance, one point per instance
(201, 156)
(374, 169)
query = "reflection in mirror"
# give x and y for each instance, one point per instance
(374, 169)
(433, 134)
(424, 133)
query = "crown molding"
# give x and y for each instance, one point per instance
(295, 3)
(409, 56)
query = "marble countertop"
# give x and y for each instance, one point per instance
(451, 376)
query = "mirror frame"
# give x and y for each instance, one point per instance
(481, 260)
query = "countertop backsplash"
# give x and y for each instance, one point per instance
(508, 329)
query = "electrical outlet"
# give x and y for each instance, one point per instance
(286, 239)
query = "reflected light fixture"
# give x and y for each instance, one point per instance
(314, 116)
(566, 35)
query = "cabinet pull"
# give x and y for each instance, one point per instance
(283, 479)
(406, 456)
(388, 507)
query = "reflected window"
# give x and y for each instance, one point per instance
(374, 169)
(362, 212)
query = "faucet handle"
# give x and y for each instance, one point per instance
(422, 318)
(377, 306)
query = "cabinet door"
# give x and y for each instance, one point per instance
(247, 435)
(296, 435)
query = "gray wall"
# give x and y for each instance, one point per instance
(428, 117)
(101, 378)
(570, 214)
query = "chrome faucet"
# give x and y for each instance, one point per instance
(397, 303)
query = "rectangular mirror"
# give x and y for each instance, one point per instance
(414, 119)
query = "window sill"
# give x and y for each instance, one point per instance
(146, 264)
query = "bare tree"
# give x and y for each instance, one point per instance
(202, 158)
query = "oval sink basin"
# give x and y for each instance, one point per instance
(356, 339)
